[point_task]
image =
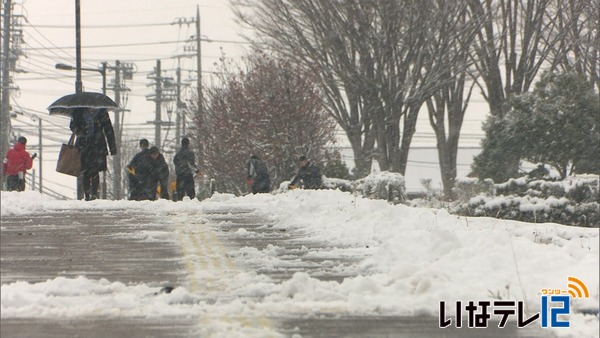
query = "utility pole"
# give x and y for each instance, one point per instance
(177, 107)
(199, 60)
(157, 107)
(159, 97)
(180, 106)
(12, 36)
(123, 71)
(40, 157)
(200, 94)
(198, 49)
(117, 125)
(5, 104)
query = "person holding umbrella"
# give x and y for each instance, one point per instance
(94, 130)
(90, 122)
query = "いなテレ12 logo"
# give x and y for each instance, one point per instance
(555, 306)
(557, 302)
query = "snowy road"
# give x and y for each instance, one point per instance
(101, 272)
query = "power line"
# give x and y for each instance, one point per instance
(103, 26)
(51, 43)
(140, 44)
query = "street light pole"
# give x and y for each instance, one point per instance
(78, 83)
(40, 158)
(103, 73)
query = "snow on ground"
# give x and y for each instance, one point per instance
(413, 259)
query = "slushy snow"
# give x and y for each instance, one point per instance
(410, 259)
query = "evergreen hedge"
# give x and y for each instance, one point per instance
(573, 201)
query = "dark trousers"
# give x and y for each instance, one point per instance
(90, 184)
(261, 185)
(93, 161)
(14, 183)
(185, 186)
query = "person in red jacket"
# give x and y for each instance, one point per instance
(15, 164)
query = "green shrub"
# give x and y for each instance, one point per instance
(573, 201)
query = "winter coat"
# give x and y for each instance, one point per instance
(16, 160)
(139, 159)
(185, 162)
(259, 173)
(138, 175)
(310, 174)
(145, 175)
(95, 136)
(159, 175)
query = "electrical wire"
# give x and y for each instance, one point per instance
(49, 41)
(141, 25)
(131, 44)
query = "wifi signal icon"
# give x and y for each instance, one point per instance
(577, 288)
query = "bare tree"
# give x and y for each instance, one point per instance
(513, 45)
(515, 42)
(367, 56)
(447, 106)
(579, 48)
(299, 30)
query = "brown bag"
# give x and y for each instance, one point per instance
(69, 159)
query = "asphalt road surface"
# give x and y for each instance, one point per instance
(39, 247)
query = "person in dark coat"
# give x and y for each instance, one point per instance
(138, 189)
(308, 173)
(158, 177)
(15, 165)
(185, 169)
(257, 175)
(94, 132)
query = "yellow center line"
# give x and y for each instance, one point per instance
(218, 245)
(189, 264)
(210, 255)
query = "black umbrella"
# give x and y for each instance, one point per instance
(66, 104)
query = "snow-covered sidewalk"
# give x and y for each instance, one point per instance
(405, 261)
